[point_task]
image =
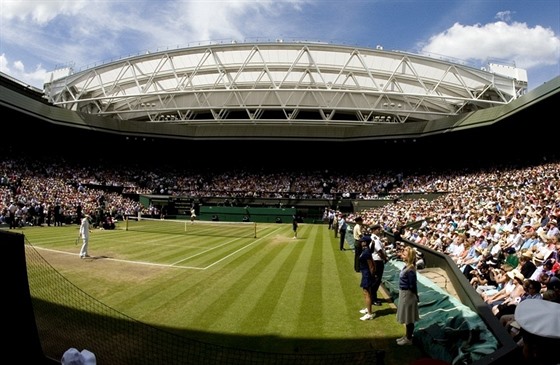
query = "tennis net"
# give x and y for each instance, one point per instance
(187, 227)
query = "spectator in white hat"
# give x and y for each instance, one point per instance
(526, 264)
(539, 322)
(74, 357)
(538, 260)
(553, 228)
(507, 289)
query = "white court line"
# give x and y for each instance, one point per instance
(118, 260)
(225, 257)
(164, 265)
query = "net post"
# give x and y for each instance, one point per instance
(255, 227)
(126, 223)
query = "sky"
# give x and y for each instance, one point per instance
(40, 36)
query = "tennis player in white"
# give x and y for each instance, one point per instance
(84, 233)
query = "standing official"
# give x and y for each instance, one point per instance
(342, 227)
(407, 305)
(379, 259)
(357, 233)
(367, 270)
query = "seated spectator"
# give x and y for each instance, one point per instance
(497, 278)
(552, 295)
(526, 265)
(549, 248)
(531, 290)
(555, 268)
(481, 275)
(513, 297)
(472, 264)
(457, 247)
(548, 266)
(531, 241)
(549, 281)
(538, 260)
(511, 259)
(503, 293)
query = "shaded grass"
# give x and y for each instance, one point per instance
(271, 293)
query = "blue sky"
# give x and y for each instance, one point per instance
(39, 36)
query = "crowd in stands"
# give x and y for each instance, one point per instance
(32, 189)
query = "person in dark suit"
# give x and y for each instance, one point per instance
(57, 214)
(379, 259)
(367, 269)
(342, 227)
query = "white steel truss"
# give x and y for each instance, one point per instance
(281, 83)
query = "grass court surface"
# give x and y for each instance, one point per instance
(271, 293)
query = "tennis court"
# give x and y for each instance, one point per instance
(270, 293)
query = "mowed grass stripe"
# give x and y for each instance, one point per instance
(341, 290)
(188, 294)
(151, 246)
(175, 290)
(290, 286)
(244, 284)
(274, 298)
(164, 249)
(217, 251)
(153, 251)
(193, 298)
(351, 293)
(311, 283)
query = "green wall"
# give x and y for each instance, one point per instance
(254, 214)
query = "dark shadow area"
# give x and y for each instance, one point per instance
(119, 340)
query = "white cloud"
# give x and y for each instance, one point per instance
(19, 67)
(17, 70)
(82, 33)
(527, 47)
(41, 12)
(504, 15)
(218, 20)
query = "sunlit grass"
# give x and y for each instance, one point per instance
(299, 293)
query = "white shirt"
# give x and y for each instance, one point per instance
(84, 228)
(376, 247)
